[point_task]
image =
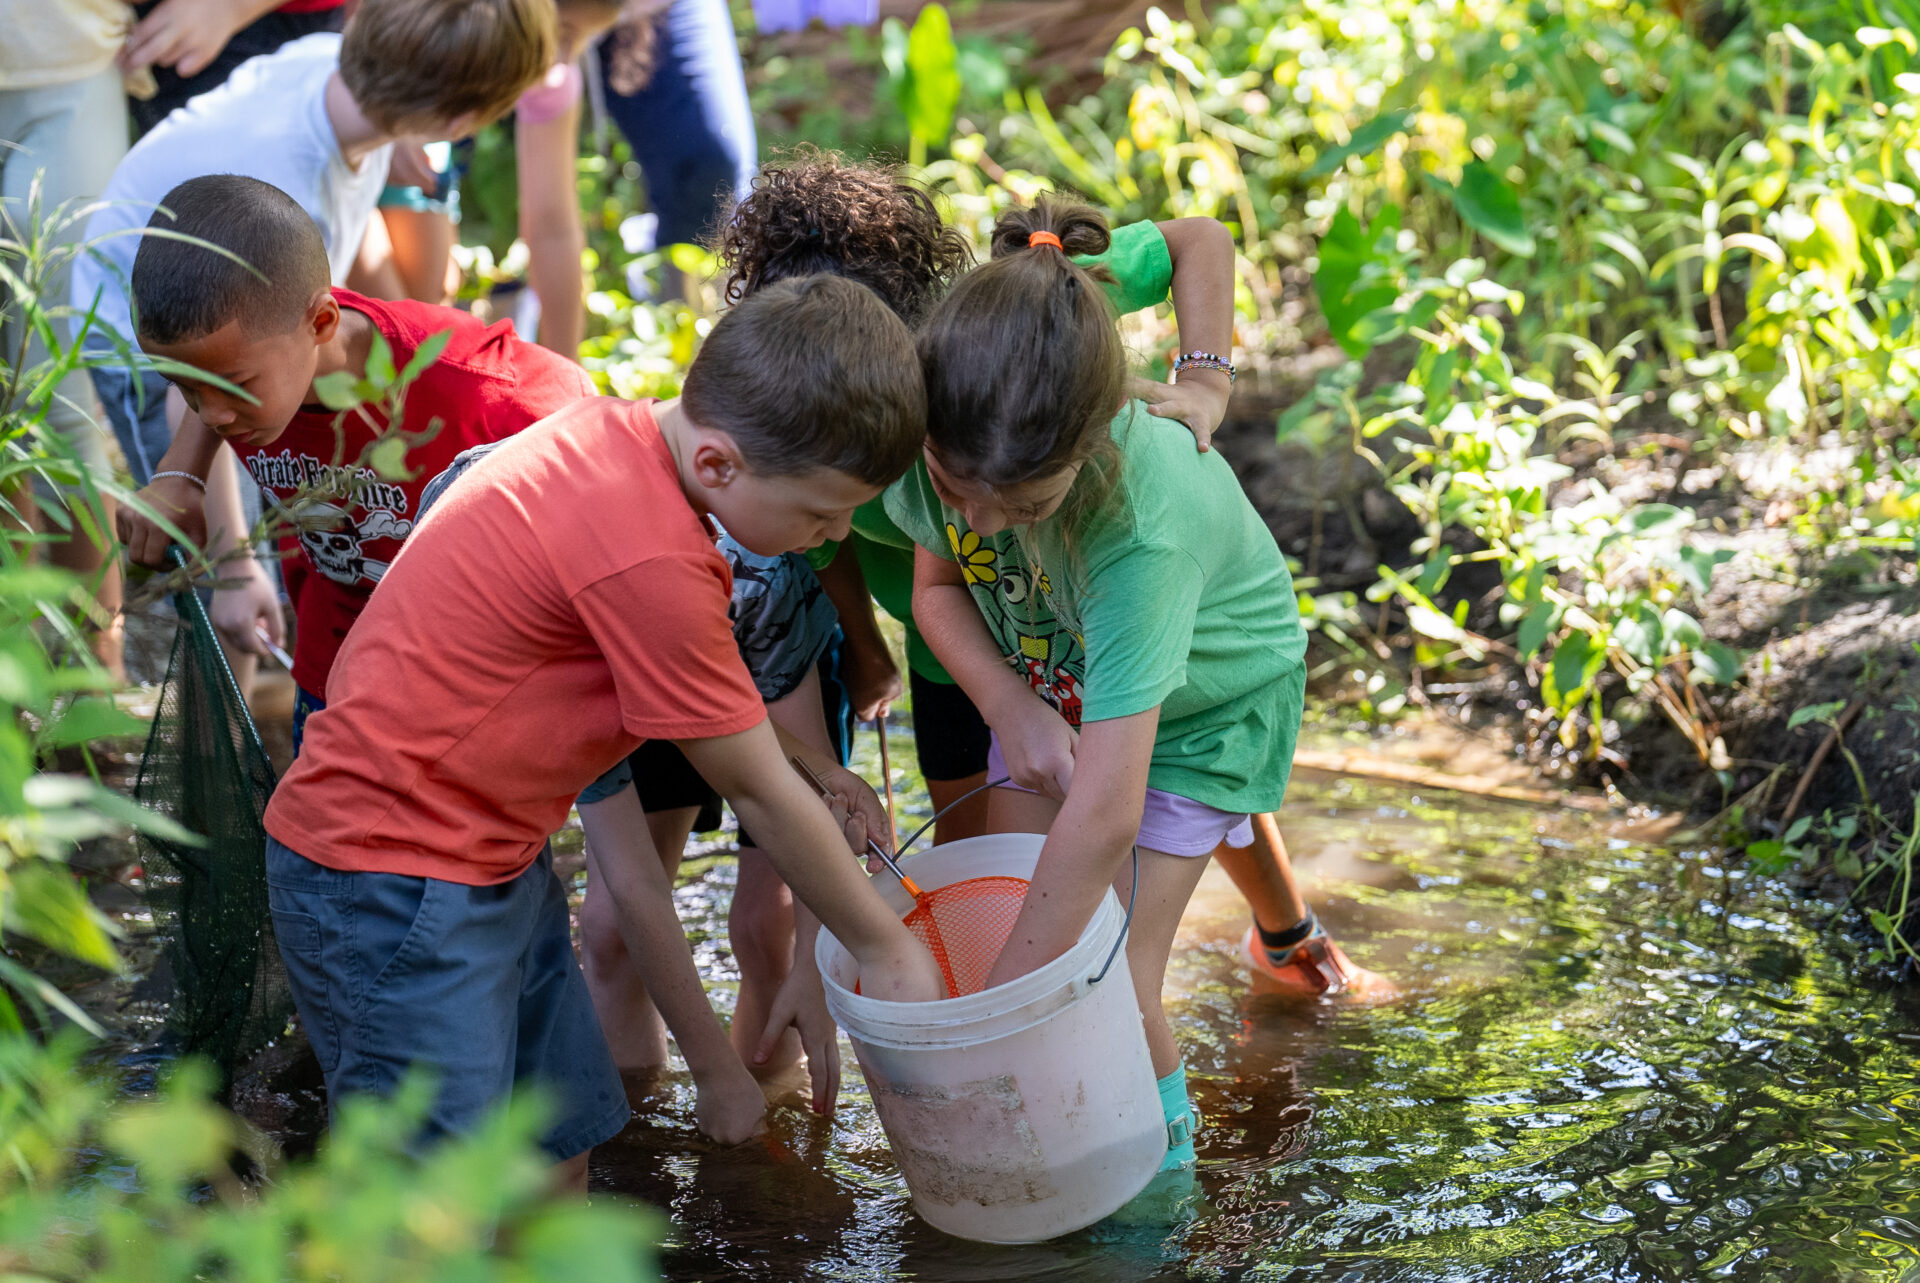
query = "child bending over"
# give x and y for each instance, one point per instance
(1108, 597)
(528, 637)
(819, 213)
(273, 339)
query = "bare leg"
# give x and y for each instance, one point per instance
(1264, 876)
(1166, 884)
(570, 1175)
(1313, 965)
(760, 920)
(635, 1032)
(760, 927)
(967, 820)
(422, 244)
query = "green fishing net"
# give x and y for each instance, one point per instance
(204, 767)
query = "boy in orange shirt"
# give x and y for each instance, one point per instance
(532, 632)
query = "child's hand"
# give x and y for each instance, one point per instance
(175, 498)
(858, 811)
(1198, 400)
(184, 34)
(251, 607)
(729, 1107)
(873, 682)
(1038, 745)
(802, 1004)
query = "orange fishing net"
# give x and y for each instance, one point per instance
(965, 925)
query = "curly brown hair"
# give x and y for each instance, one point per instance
(816, 212)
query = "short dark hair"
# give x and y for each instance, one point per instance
(182, 289)
(812, 373)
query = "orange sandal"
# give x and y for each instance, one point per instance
(1314, 968)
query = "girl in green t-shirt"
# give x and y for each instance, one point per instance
(1110, 600)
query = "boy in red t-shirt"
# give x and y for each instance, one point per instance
(273, 340)
(534, 631)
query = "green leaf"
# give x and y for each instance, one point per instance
(1717, 664)
(380, 372)
(1769, 856)
(426, 354)
(388, 457)
(1640, 635)
(46, 902)
(1346, 251)
(51, 792)
(1576, 662)
(1489, 205)
(930, 93)
(87, 720)
(1697, 567)
(1651, 520)
(1682, 629)
(1814, 713)
(1847, 863)
(1365, 141)
(1537, 627)
(1429, 622)
(337, 391)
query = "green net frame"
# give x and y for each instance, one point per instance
(204, 767)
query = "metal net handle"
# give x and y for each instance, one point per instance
(1133, 895)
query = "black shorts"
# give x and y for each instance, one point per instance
(263, 35)
(948, 730)
(667, 781)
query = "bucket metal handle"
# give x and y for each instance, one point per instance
(1133, 895)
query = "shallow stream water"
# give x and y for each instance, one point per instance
(1614, 1061)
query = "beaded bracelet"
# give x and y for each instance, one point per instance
(1197, 360)
(184, 476)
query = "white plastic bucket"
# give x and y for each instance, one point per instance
(1018, 1113)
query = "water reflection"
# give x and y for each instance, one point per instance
(1614, 1062)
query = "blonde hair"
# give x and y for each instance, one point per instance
(421, 65)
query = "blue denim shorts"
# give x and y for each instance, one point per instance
(136, 405)
(476, 984)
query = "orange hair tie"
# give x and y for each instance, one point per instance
(1045, 238)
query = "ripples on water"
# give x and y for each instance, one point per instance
(1615, 1062)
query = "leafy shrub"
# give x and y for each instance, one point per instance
(118, 1191)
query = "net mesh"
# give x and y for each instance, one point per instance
(965, 925)
(204, 768)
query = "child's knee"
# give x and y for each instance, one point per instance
(760, 924)
(602, 949)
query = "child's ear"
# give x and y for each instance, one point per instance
(323, 317)
(716, 459)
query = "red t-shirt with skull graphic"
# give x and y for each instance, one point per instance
(489, 383)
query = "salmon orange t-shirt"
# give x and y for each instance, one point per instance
(561, 605)
(488, 383)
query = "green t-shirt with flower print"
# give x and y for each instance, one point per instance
(1173, 595)
(1142, 273)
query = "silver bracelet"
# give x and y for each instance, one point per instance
(184, 476)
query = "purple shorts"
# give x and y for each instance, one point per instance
(1170, 823)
